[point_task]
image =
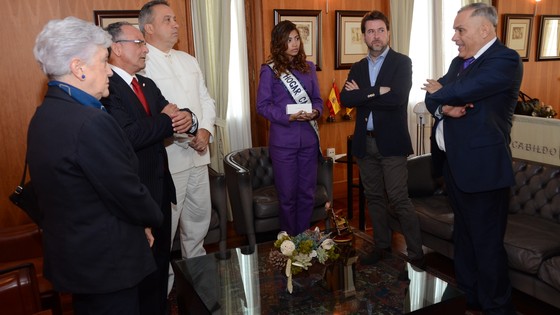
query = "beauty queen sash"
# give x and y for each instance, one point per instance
(298, 93)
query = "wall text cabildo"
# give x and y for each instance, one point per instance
(537, 149)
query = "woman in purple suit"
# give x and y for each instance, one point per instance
(287, 78)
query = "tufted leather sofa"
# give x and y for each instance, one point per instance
(253, 199)
(532, 239)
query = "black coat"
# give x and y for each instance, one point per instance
(389, 110)
(84, 172)
(146, 133)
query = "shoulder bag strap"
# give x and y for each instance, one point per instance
(19, 188)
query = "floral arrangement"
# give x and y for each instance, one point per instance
(297, 253)
(543, 110)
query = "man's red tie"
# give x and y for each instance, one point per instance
(140, 95)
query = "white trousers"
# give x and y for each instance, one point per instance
(192, 213)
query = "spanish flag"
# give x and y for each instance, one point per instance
(334, 100)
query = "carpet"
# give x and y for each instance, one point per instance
(378, 290)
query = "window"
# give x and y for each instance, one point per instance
(431, 51)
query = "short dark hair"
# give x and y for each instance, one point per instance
(145, 15)
(374, 15)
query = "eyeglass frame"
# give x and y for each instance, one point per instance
(138, 42)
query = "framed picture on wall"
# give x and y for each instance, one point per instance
(105, 17)
(549, 38)
(517, 33)
(308, 23)
(349, 45)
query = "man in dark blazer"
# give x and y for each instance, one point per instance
(473, 105)
(378, 86)
(146, 128)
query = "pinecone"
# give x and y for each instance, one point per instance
(277, 260)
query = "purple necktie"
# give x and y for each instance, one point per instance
(467, 62)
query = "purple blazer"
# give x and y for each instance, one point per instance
(272, 98)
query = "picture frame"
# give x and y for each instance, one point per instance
(517, 33)
(103, 18)
(349, 44)
(309, 26)
(548, 46)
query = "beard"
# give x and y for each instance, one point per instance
(376, 46)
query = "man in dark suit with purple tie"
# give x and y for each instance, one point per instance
(473, 106)
(147, 118)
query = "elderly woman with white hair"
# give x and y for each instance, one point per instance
(96, 213)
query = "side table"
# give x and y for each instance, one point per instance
(349, 160)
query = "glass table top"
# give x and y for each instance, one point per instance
(247, 283)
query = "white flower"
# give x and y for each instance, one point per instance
(322, 255)
(287, 248)
(313, 254)
(302, 260)
(327, 244)
(282, 234)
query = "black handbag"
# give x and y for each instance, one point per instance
(526, 104)
(24, 197)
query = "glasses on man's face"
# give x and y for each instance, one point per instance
(138, 42)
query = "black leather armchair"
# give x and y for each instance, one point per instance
(252, 195)
(217, 232)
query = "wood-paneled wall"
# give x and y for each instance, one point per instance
(333, 135)
(328, 31)
(541, 79)
(22, 84)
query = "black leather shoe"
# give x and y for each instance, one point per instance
(420, 263)
(403, 275)
(374, 257)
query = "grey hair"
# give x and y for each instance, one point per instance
(115, 29)
(145, 16)
(484, 10)
(62, 40)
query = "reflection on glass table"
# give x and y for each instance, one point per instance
(248, 284)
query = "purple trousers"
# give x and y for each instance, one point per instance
(295, 178)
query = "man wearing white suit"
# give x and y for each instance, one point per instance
(180, 79)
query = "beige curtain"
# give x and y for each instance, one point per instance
(239, 102)
(401, 24)
(465, 2)
(211, 30)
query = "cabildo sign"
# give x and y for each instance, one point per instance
(536, 139)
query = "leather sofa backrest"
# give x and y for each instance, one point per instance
(257, 162)
(537, 190)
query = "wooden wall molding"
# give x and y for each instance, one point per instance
(23, 85)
